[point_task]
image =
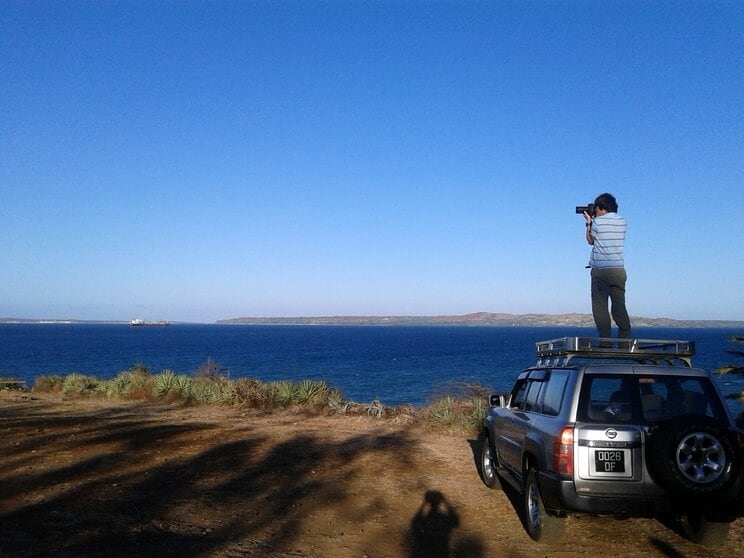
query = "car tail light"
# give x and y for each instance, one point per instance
(563, 452)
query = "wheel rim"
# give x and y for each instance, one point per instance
(701, 457)
(488, 470)
(533, 511)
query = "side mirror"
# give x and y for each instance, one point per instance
(497, 400)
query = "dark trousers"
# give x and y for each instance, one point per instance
(609, 283)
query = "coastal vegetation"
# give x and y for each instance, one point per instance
(734, 368)
(464, 407)
(211, 385)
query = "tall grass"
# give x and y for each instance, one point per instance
(209, 385)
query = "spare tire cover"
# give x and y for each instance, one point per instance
(693, 456)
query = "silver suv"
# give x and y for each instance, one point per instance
(628, 429)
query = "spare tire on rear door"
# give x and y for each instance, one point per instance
(693, 456)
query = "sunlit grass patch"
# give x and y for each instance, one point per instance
(465, 408)
(79, 384)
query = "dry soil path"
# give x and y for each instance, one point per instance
(88, 478)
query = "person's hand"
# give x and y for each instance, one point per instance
(588, 218)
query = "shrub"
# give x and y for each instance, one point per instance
(459, 412)
(251, 393)
(75, 383)
(442, 411)
(119, 385)
(480, 410)
(210, 370)
(375, 409)
(203, 391)
(46, 384)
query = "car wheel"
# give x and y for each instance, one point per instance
(541, 526)
(488, 464)
(695, 457)
(700, 530)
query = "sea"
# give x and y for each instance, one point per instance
(397, 365)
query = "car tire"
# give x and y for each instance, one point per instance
(693, 457)
(487, 464)
(698, 529)
(541, 526)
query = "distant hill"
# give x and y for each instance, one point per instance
(478, 319)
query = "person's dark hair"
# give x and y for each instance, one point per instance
(607, 202)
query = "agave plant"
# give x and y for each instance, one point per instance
(119, 385)
(164, 383)
(283, 393)
(312, 392)
(182, 384)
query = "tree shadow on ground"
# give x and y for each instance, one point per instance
(128, 486)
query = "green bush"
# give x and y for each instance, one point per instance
(80, 384)
(201, 391)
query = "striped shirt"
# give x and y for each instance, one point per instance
(609, 237)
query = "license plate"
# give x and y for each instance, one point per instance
(609, 461)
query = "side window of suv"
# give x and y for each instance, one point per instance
(533, 391)
(518, 395)
(553, 398)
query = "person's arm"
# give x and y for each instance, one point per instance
(589, 237)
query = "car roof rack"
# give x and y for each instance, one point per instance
(559, 352)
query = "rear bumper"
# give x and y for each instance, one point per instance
(560, 496)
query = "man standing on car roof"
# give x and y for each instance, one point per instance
(605, 231)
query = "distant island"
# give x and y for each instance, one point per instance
(479, 319)
(475, 319)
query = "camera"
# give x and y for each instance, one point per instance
(588, 208)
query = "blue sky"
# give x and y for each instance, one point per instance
(204, 160)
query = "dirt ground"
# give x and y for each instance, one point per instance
(88, 478)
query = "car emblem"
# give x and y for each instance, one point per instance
(611, 433)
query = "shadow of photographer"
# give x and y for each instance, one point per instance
(432, 527)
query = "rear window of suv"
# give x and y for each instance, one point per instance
(618, 399)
